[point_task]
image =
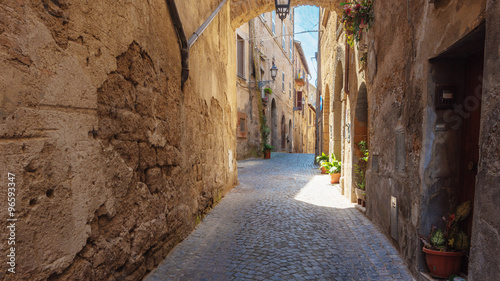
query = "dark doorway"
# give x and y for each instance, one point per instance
(470, 136)
(457, 78)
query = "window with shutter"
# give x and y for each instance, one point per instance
(241, 56)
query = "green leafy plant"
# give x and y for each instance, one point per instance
(361, 167)
(357, 17)
(268, 91)
(268, 146)
(265, 131)
(447, 235)
(363, 59)
(321, 158)
(333, 167)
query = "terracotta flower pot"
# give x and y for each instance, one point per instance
(323, 170)
(335, 178)
(443, 264)
(267, 154)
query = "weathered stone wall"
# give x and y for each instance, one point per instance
(114, 163)
(248, 102)
(486, 241)
(401, 82)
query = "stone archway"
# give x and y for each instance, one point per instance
(274, 124)
(244, 10)
(361, 115)
(337, 111)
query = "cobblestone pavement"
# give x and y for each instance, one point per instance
(285, 221)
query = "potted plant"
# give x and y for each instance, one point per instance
(334, 168)
(320, 159)
(447, 243)
(267, 150)
(360, 172)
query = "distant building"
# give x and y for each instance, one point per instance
(261, 43)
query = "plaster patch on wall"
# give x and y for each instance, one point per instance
(414, 214)
(230, 160)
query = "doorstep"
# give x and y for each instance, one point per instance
(425, 276)
(360, 208)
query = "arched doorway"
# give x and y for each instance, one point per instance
(337, 111)
(283, 133)
(360, 138)
(290, 149)
(274, 124)
(361, 115)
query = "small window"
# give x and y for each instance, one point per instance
(283, 40)
(283, 81)
(273, 20)
(242, 125)
(240, 43)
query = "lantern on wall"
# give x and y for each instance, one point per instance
(282, 8)
(274, 71)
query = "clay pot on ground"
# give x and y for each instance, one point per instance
(267, 154)
(335, 178)
(443, 264)
(323, 170)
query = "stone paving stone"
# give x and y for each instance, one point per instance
(285, 221)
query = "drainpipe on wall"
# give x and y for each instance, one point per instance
(184, 44)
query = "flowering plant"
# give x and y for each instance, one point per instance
(356, 17)
(447, 236)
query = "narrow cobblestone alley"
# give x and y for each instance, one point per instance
(284, 221)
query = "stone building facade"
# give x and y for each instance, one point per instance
(304, 129)
(263, 42)
(427, 104)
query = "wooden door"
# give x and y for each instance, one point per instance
(469, 152)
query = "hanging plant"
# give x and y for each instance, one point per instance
(268, 91)
(357, 17)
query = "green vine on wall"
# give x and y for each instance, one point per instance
(360, 169)
(357, 17)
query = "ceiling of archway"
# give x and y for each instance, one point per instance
(244, 10)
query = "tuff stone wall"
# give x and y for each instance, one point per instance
(114, 163)
(401, 75)
(485, 243)
(401, 96)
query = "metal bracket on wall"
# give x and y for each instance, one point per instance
(185, 44)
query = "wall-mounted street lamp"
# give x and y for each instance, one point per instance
(274, 73)
(282, 8)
